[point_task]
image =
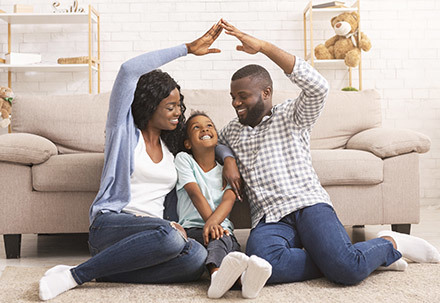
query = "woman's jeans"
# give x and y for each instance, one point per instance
(134, 249)
(312, 242)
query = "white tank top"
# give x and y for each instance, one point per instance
(150, 182)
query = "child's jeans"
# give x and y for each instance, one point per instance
(217, 249)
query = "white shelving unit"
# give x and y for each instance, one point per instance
(94, 63)
(327, 13)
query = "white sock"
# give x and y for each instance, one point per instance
(399, 265)
(58, 268)
(413, 248)
(55, 282)
(255, 276)
(233, 265)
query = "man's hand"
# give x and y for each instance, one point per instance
(201, 46)
(231, 176)
(214, 231)
(250, 45)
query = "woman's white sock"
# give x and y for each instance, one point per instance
(255, 276)
(413, 248)
(233, 265)
(56, 281)
(399, 265)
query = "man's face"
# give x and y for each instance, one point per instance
(248, 101)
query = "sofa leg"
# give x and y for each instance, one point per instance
(12, 246)
(401, 228)
(358, 226)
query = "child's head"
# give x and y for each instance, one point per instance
(200, 132)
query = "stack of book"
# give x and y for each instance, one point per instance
(331, 4)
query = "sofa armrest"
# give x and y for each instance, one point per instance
(389, 142)
(25, 148)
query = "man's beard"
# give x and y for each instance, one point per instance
(254, 114)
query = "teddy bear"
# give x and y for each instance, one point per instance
(6, 96)
(343, 46)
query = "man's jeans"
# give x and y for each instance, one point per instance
(134, 249)
(327, 247)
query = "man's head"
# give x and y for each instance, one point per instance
(251, 92)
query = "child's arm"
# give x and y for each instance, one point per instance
(212, 225)
(198, 199)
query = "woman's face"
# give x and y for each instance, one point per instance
(166, 116)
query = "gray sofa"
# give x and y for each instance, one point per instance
(51, 162)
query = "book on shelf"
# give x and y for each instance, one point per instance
(331, 4)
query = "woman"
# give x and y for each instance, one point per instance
(129, 239)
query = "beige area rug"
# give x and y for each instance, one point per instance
(420, 283)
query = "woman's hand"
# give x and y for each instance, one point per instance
(250, 45)
(201, 46)
(231, 176)
(214, 231)
(179, 228)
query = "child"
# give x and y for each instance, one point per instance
(203, 208)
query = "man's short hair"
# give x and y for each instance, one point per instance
(254, 71)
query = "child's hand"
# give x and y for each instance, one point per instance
(214, 231)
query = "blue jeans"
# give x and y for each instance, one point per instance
(127, 248)
(312, 242)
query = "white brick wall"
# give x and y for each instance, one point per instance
(403, 65)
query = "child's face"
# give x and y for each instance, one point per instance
(201, 133)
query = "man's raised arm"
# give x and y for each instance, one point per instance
(252, 45)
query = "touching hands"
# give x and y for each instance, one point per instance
(213, 231)
(201, 46)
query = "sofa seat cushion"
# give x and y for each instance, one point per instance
(347, 167)
(73, 172)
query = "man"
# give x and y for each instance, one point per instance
(290, 209)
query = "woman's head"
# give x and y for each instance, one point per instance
(200, 132)
(158, 103)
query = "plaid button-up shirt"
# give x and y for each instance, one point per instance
(274, 157)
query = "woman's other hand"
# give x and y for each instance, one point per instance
(201, 46)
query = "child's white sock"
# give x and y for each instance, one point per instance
(255, 276)
(399, 265)
(233, 265)
(413, 248)
(56, 281)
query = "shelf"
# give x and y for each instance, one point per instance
(54, 18)
(90, 17)
(338, 10)
(47, 67)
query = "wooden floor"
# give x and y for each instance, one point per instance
(50, 250)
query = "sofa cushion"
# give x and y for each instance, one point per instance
(390, 142)
(25, 148)
(74, 172)
(347, 167)
(345, 114)
(75, 123)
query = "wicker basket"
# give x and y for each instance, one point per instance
(74, 60)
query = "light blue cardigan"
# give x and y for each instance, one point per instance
(121, 134)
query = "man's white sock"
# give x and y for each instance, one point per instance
(399, 265)
(413, 248)
(58, 268)
(255, 276)
(233, 265)
(55, 282)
